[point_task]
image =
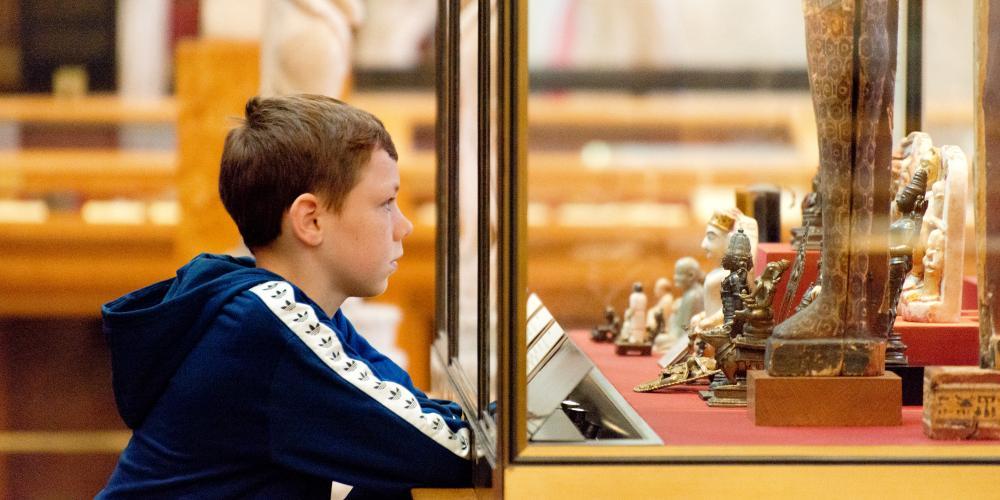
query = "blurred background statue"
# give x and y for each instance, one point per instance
(306, 46)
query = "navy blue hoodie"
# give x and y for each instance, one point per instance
(237, 385)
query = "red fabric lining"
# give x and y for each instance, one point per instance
(680, 417)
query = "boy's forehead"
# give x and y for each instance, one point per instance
(381, 168)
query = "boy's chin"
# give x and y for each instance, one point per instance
(373, 290)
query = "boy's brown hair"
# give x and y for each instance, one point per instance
(292, 145)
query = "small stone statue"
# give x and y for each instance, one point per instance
(637, 315)
(662, 292)
(610, 329)
(634, 338)
(659, 325)
(934, 293)
(687, 279)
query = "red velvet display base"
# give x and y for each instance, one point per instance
(947, 344)
(970, 291)
(680, 417)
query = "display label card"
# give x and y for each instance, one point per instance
(544, 335)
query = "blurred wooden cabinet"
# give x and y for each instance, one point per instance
(66, 267)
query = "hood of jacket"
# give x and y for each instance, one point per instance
(152, 330)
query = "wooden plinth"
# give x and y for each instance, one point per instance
(823, 401)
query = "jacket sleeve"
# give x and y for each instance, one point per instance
(330, 414)
(387, 369)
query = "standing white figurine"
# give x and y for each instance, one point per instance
(637, 308)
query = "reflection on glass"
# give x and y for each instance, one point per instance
(644, 120)
(468, 210)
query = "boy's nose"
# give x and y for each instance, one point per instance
(404, 227)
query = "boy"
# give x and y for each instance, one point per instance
(244, 379)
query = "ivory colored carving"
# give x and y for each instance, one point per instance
(936, 292)
(688, 280)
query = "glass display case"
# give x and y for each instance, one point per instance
(584, 147)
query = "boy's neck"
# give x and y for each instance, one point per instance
(303, 276)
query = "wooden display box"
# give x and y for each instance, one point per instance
(824, 401)
(961, 403)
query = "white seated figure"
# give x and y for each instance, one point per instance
(664, 297)
(690, 298)
(720, 227)
(937, 294)
(306, 46)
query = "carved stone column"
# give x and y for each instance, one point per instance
(986, 183)
(850, 46)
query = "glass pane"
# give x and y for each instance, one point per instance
(654, 131)
(643, 122)
(493, 304)
(468, 182)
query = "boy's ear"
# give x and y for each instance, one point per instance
(303, 219)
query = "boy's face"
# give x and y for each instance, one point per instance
(363, 242)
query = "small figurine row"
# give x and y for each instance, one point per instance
(664, 323)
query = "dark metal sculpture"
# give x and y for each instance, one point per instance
(746, 351)
(810, 234)
(903, 235)
(738, 261)
(610, 329)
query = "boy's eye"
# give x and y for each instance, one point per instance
(388, 203)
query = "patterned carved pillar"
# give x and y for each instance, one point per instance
(851, 55)
(986, 184)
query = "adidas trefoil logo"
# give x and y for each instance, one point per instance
(395, 393)
(279, 294)
(335, 356)
(380, 385)
(409, 403)
(350, 366)
(326, 342)
(288, 305)
(300, 317)
(271, 286)
(363, 376)
(313, 329)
